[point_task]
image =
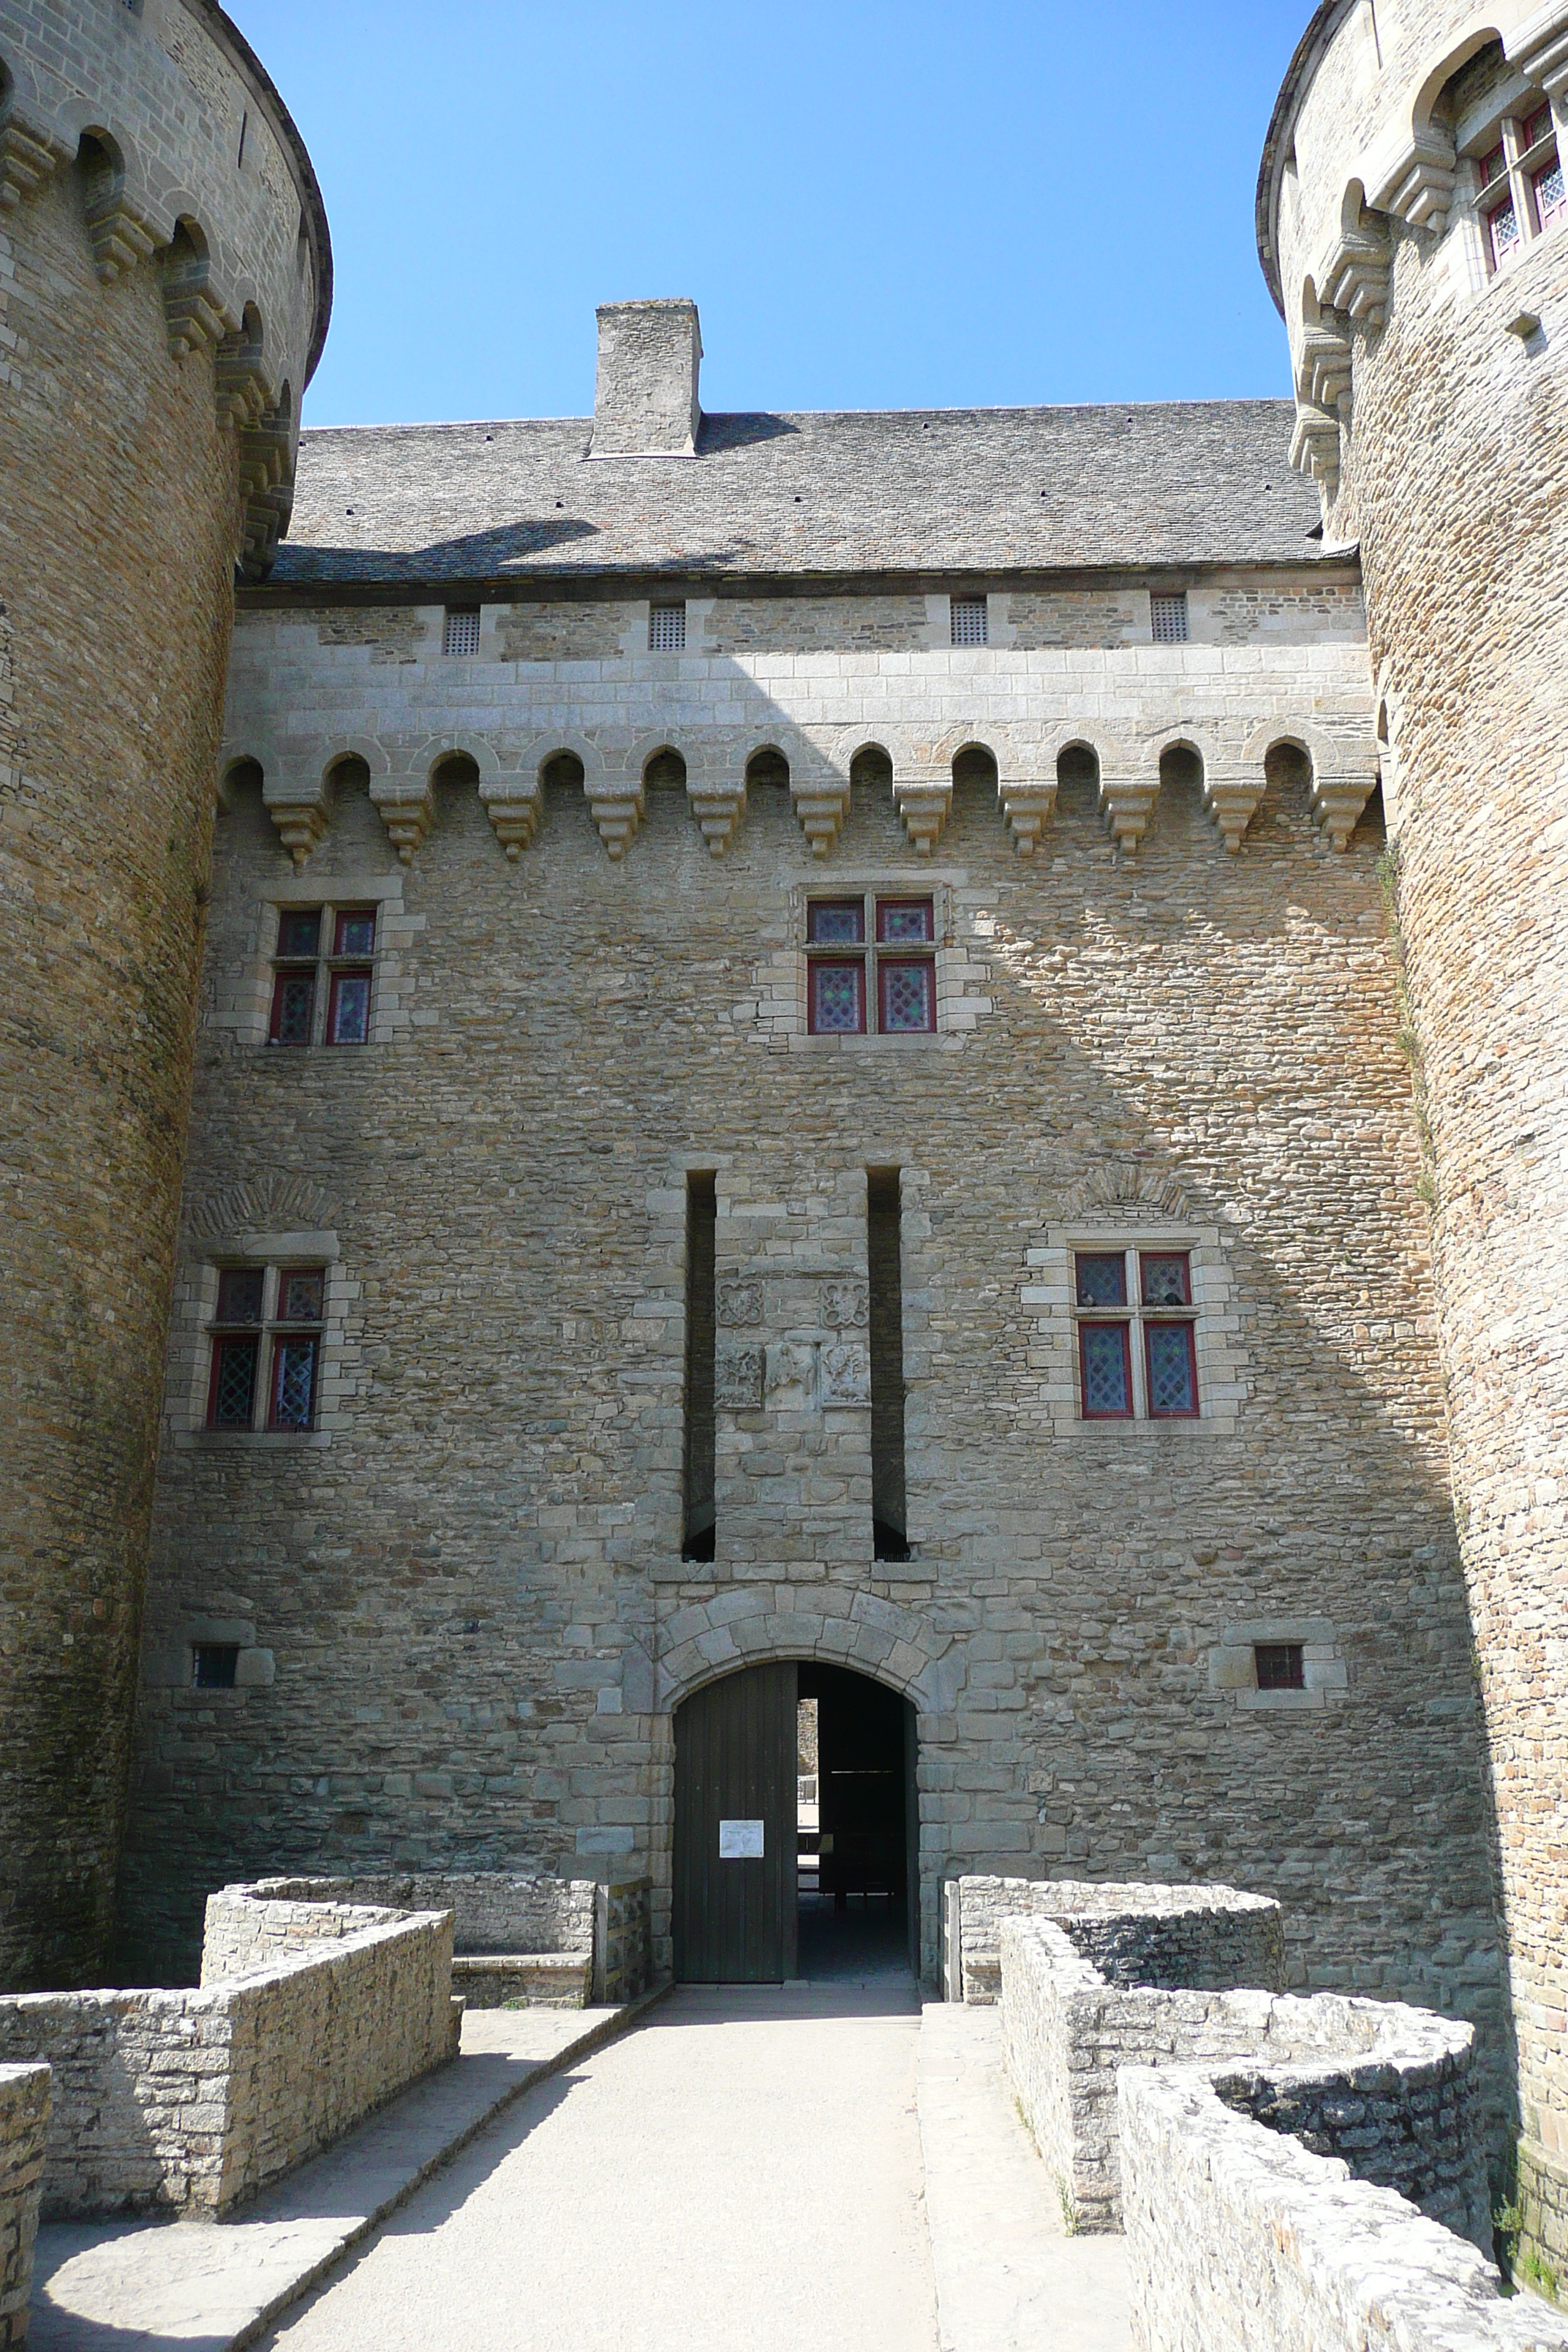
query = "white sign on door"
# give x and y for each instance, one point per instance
(740, 1841)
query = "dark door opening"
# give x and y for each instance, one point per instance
(796, 1829)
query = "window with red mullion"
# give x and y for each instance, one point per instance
(1170, 1369)
(348, 1009)
(1105, 1371)
(836, 1006)
(293, 1007)
(231, 1391)
(294, 1361)
(906, 995)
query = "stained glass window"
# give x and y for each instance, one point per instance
(348, 1013)
(239, 1289)
(300, 1294)
(835, 920)
(299, 931)
(1101, 1278)
(1167, 1281)
(837, 998)
(1503, 228)
(1172, 1369)
(1107, 1363)
(904, 918)
(353, 933)
(909, 996)
(231, 1402)
(294, 1382)
(293, 1005)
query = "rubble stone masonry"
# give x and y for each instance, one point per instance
(120, 516)
(1452, 457)
(468, 1575)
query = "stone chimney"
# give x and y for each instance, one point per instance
(645, 402)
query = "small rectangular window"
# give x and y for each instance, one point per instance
(1279, 1665)
(837, 1006)
(300, 1291)
(293, 1008)
(968, 620)
(1168, 617)
(348, 1009)
(906, 989)
(354, 931)
(898, 919)
(1537, 128)
(836, 922)
(1550, 203)
(666, 628)
(214, 1664)
(294, 1382)
(1167, 1278)
(1494, 166)
(462, 631)
(299, 933)
(1101, 1278)
(1504, 234)
(231, 1397)
(1105, 1363)
(1170, 1357)
(239, 1293)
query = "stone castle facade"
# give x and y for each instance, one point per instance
(794, 1049)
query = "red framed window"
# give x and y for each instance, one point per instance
(354, 931)
(1101, 1278)
(900, 921)
(836, 922)
(1170, 1369)
(906, 995)
(348, 1009)
(1535, 128)
(1550, 203)
(1493, 166)
(1166, 1278)
(838, 1006)
(322, 951)
(1105, 1371)
(266, 1344)
(1505, 236)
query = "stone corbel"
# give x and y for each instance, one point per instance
(1323, 369)
(1028, 809)
(300, 825)
(1315, 444)
(1419, 189)
(407, 810)
(513, 805)
(1355, 278)
(193, 317)
(617, 810)
(822, 809)
(1545, 63)
(718, 809)
(28, 159)
(925, 808)
(120, 235)
(1232, 795)
(1127, 803)
(1338, 802)
(244, 392)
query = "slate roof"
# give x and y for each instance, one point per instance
(956, 491)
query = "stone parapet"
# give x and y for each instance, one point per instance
(24, 2129)
(190, 2101)
(1205, 1939)
(1242, 2239)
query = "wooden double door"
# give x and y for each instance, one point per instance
(736, 1825)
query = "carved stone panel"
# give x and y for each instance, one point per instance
(791, 1378)
(845, 1306)
(741, 1301)
(845, 1375)
(738, 1380)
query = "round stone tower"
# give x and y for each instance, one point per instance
(1415, 233)
(164, 286)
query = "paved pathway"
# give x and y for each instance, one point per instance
(744, 2170)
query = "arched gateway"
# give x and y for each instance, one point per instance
(781, 1870)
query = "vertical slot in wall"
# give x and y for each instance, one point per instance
(885, 1265)
(698, 1519)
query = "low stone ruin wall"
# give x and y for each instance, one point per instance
(1242, 2240)
(1206, 1938)
(1414, 2121)
(564, 1942)
(24, 2129)
(188, 2101)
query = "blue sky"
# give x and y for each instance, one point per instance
(873, 206)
